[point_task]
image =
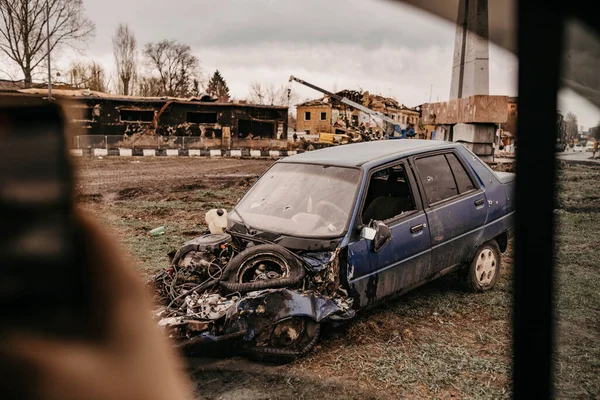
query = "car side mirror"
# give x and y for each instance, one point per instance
(383, 236)
(379, 233)
(368, 233)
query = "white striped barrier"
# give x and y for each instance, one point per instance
(100, 152)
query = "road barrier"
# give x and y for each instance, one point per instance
(174, 146)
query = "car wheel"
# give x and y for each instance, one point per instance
(286, 340)
(261, 267)
(484, 270)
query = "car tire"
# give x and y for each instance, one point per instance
(282, 353)
(484, 269)
(233, 279)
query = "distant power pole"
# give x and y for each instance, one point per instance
(48, 43)
(430, 91)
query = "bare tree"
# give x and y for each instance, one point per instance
(270, 94)
(23, 30)
(87, 76)
(176, 67)
(571, 125)
(125, 52)
(98, 81)
(76, 75)
(149, 86)
(257, 93)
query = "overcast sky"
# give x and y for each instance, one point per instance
(377, 45)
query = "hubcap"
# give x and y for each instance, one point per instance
(486, 268)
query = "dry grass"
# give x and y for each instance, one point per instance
(438, 341)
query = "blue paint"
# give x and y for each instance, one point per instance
(452, 232)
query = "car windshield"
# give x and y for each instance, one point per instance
(301, 200)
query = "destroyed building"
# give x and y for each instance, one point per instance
(323, 114)
(95, 113)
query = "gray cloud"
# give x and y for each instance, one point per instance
(241, 22)
(377, 45)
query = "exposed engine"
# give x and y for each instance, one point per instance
(222, 286)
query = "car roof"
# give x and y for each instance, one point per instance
(360, 154)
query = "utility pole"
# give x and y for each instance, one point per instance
(48, 43)
(430, 91)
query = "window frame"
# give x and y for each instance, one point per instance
(79, 110)
(413, 186)
(419, 179)
(321, 116)
(309, 115)
(464, 167)
(136, 110)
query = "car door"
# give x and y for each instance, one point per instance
(455, 205)
(403, 261)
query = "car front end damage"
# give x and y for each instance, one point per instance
(265, 298)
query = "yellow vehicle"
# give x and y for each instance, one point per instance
(334, 138)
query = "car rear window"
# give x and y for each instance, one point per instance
(463, 180)
(437, 178)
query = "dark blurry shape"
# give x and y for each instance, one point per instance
(540, 47)
(74, 313)
(129, 360)
(43, 285)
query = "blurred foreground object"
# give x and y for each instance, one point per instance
(76, 318)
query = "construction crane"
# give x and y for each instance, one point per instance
(348, 102)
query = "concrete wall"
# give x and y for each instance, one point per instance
(474, 109)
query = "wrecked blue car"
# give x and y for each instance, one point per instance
(324, 234)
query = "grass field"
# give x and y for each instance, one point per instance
(438, 341)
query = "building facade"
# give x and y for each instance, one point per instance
(94, 113)
(323, 115)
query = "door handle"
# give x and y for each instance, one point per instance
(417, 228)
(479, 202)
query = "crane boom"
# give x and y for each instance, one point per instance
(346, 101)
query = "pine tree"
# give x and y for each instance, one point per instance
(217, 87)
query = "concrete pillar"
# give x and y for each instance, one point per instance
(471, 73)
(470, 67)
(479, 138)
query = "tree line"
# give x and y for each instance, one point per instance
(30, 29)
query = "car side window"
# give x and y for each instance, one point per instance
(436, 177)
(463, 180)
(388, 196)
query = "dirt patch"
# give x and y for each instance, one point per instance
(130, 193)
(240, 379)
(90, 198)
